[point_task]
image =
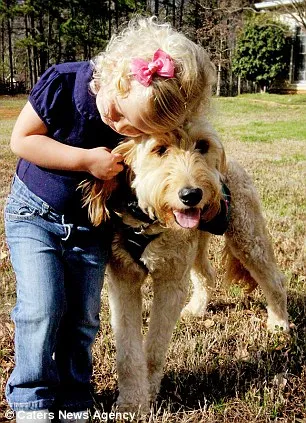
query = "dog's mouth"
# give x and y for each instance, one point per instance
(188, 218)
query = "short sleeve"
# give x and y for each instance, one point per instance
(48, 97)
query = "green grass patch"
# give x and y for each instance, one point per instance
(12, 102)
(289, 159)
(281, 99)
(249, 119)
(258, 131)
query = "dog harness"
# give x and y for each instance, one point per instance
(219, 224)
(136, 239)
(135, 242)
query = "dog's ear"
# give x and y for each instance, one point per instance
(95, 196)
(96, 193)
(127, 149)
(223, 163)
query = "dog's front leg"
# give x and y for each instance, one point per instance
(169, 299)
(203, 279)
(126, 317)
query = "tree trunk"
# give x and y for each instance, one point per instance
(109, 19)
(156, 7)
(9, 32)
(116, 13)
(59, 41)
(3, 50)
(196, 19)
(35, 59)
(181, 14)
(230, 84)
(291, 66)
(29, 54)
(42, 51)
(173, 13)
(218, 91)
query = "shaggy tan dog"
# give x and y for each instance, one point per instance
(179, 182)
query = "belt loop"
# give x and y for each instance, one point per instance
(66, 226)
(45, 208)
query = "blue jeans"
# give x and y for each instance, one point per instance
(59, 267)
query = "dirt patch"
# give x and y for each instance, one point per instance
(9, 113)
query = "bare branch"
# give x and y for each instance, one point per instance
(296, 10)
(228, 11)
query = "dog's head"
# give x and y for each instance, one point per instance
(177, 176)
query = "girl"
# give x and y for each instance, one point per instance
(147, 81)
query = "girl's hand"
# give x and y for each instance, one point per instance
(30, 141)
(102, 163)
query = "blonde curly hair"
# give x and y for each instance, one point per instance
(171, 99)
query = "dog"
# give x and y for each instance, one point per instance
(177, 189)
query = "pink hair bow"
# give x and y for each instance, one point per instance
(162, 65)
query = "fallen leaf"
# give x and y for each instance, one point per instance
(3, 255)
(208, 323)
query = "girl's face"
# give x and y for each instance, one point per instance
(128, 116)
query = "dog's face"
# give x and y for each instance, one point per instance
(177, 176)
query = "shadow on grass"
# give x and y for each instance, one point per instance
(220, 382)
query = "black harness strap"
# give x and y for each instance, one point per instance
(135, 242)
(218, 225)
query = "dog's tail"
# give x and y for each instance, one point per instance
(235, 272)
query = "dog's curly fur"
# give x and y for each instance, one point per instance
(160, 168)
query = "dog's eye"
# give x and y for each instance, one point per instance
(160, 150)
(202, 146)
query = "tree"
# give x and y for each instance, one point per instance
(296, 9)
(6, 17)
(214, 25)
(262, 51)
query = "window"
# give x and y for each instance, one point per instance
(300, 56)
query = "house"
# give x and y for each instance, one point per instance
(293, 13)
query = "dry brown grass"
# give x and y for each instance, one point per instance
(224, 367)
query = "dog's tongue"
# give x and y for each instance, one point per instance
(188, 218)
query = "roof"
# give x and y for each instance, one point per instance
(276, 3)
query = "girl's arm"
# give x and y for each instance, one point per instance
(29, 141)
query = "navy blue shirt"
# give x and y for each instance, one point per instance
(63, 101)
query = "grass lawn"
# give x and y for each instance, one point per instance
(262, 118)
(223, 367)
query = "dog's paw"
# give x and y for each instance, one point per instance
(155, 381)
(276, 326)
(139, 409)
(278, 320)
(194, 308)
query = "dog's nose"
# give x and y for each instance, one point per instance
(190, 196)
